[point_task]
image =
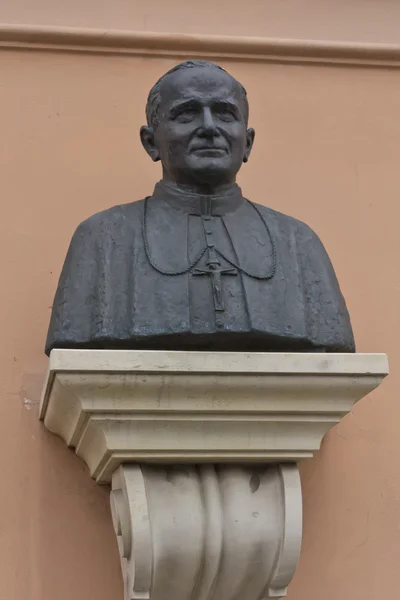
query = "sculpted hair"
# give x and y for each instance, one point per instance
(154, 97)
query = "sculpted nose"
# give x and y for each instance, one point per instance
(209, 127)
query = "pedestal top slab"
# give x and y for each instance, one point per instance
(151, 361)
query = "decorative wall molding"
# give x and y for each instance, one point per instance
(103, 41)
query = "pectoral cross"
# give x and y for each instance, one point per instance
(213, 269)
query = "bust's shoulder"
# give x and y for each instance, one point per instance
(115, 216)
(286, 222)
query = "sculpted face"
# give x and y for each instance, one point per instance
(202, 136)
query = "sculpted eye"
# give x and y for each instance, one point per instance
(226, 115)
(186, 116)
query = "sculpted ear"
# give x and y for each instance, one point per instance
(148, 140)
(250, 133)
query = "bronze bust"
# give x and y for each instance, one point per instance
(197, 265)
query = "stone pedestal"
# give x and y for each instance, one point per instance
(200, 450)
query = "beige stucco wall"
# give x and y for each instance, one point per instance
(327, 151)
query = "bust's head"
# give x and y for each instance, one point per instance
(197, 117)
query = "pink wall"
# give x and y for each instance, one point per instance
(327, 151)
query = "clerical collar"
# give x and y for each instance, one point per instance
(197, 204)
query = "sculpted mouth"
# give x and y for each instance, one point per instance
(210, 151)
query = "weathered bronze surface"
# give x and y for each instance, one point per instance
(196, 265)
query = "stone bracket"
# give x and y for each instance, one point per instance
(200, 449)
(206, 531)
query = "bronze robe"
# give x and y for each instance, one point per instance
(110, 296)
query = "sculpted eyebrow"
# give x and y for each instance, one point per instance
(195, 105)
(227, 105)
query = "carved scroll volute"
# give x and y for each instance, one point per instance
(131, 520)
(292, 517)
(206, 532)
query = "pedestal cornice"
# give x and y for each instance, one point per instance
(119, 406)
